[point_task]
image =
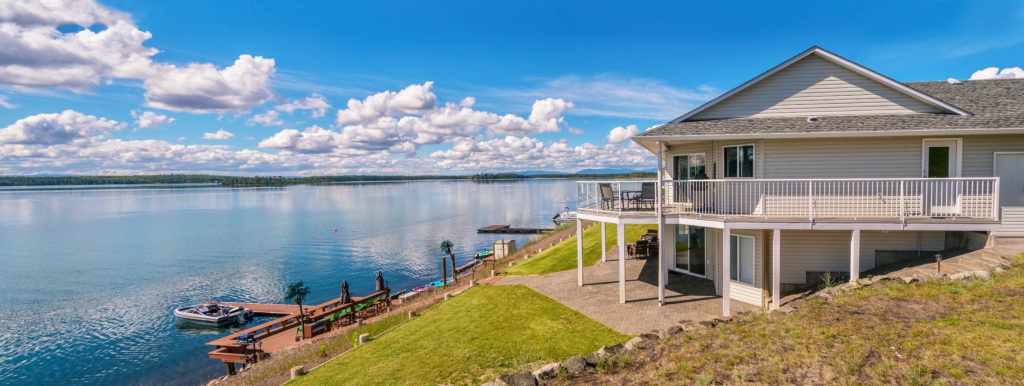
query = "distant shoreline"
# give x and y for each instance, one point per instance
(13, 183)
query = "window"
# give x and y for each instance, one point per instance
(689, 166)
(741, 263)
(739, 161)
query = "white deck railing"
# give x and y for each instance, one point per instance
(841, 199)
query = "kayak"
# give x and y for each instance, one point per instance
(484, 253)
(433, 284)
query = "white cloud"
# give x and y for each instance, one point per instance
(996, 73)
(7, 105)
(414, 99)
(312, 140)
(149, 119)
(617, 96)
(526, 153)
(181, 139)
(35, 54)
(220, 135)
(268, 118)
(51, 129)
(316, 103)
(203, 88)
(622, 134)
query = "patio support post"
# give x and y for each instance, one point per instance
(776, 266)
(604, 244)
(855, 255)
(622, 261)
(662, 273)
(726, 277)
(579, 252)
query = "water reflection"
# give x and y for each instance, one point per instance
(91, 276)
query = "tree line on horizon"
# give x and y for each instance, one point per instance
(242, 181)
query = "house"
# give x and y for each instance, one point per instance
(822, 165)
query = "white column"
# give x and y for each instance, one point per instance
(855, 255)
(662, 272)
(579, 252)
(621, 230)
(776, 265)
(726, 257)
(604, 244)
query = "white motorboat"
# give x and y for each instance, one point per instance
(565, 216)
(214, 314)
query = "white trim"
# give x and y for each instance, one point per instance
(952, 225)
(674, 156)
(776, 266)
(754, 257)
(959, 156)
(726, 279)
(674, 257)
(837, 60)
(642, 139)
(854, 255)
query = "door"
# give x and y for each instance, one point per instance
(690, 255)
(941, 159)
(1009, 167)
(687, 167)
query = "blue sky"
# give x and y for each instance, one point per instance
(241, 87)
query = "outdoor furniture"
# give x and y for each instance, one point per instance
(645, 199)
(607, 196)
(631, 250)
(641, 246)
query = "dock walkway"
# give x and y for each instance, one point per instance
(506, 228)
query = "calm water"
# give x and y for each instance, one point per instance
(88, 278)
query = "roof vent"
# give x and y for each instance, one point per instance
(954, 81)
(812, 119)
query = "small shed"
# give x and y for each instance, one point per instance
(503, 248)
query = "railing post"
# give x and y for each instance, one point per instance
(903, 204)
(810, 200)
(995, 200)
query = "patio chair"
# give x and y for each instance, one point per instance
(641, 247)
(645, 199)
(607, 197)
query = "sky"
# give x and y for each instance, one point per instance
(443, 87)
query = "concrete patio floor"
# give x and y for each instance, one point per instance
(686, 297)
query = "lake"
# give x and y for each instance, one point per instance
(90, 276)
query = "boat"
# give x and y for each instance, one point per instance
(484, 253)
(565, 216)
(214, 314)
(433, 284)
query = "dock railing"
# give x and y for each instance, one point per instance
(810, 199)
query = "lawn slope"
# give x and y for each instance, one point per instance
(471, 338)
(563, 255)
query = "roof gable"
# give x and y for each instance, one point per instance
(819, 83)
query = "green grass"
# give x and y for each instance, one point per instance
(472, 338)
(934, 332)
(562, 256)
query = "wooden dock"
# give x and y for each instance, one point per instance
(282, 332)
(505, 228)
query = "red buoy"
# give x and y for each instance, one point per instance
(335, 230)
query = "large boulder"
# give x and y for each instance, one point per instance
(575, 365)
(635, 344)
(610, 350)
(547, 371)
(525, 378)
(592, 359)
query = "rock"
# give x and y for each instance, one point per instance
(685, 322)
(610, 350)
(592, 359)
(547, 371)
(412, 314)
(364, 338)
(909, 279)
(575, 365)
(651, 337)
(784, 309)
(490, 384)
(707, 323)
(674, 330)
(635, 344)
(864, 281)
(525, 378)
(297, 371)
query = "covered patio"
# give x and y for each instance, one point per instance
(686, 297)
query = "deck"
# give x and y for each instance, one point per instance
(505, 228)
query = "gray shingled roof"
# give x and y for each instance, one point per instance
(994, 104)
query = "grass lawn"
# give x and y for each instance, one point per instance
(563, 255)
(471, 338)
(935, 332)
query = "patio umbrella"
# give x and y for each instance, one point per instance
(345, 296)
(380, 281)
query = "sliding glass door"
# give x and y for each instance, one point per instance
(690, 255)
(688, 167)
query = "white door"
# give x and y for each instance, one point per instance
(1009, 167)
(941, 159)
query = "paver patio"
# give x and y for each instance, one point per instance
(686, 297)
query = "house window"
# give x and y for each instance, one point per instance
(739, 161)
(690, 166)
(741, 263)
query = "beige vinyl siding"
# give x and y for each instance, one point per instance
(1011, 174)
(979, 152)
(815, 251)
(815, 86)
(881, 157)
(1012, 222)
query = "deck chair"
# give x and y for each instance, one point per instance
(607, 197)
(646, 198)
